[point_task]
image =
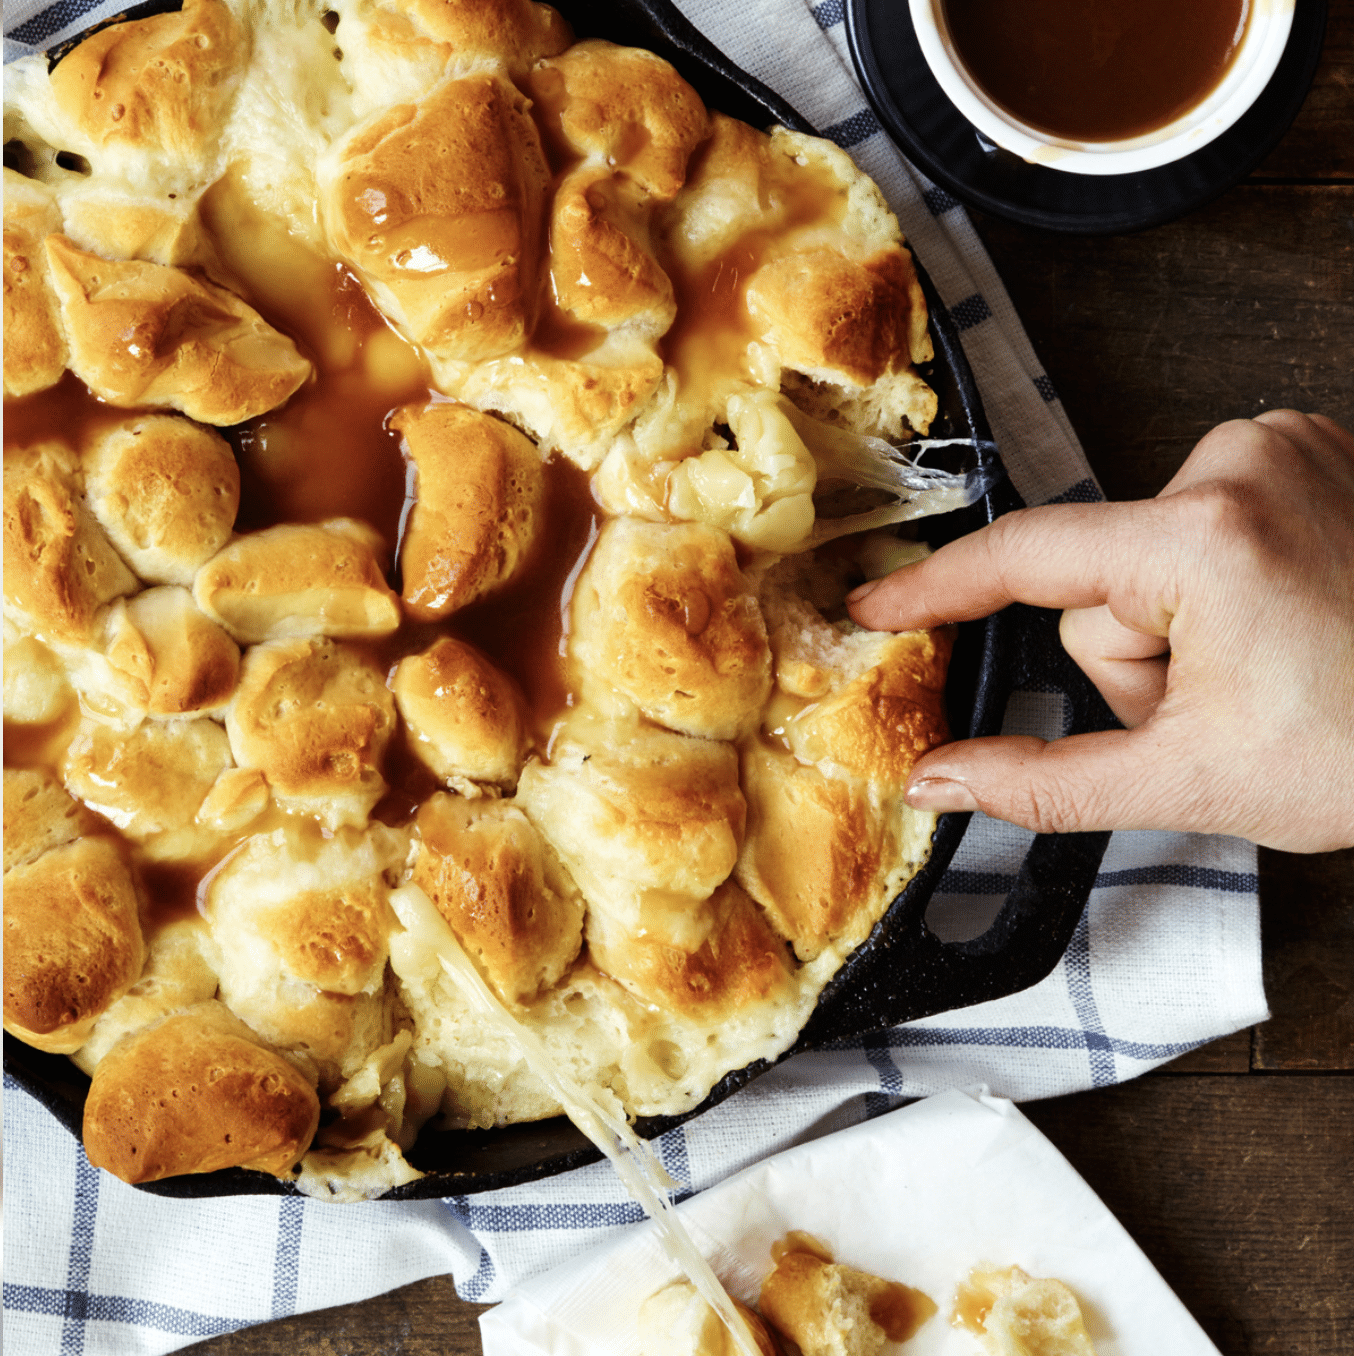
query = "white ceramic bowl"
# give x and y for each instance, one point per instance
(1250, 71)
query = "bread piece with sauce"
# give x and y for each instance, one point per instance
(60, 568)
(300, 931)
(300, 580)
(176, 661)
(479, 511)
(166, 491)
(315, 718)
(602, 267)
(855, 703)
(193, 1093)
(819, 851)
(439, 207)
(621, 107)
(149, 334)
(149, 780)
(738, 963)
(35, 343)
(1016, 1314)
(663, 614)
(465, 718)
(649, 823)
(486, 869)
(157, 87)
(676, 1321)
(828, 1309)
(73, 942)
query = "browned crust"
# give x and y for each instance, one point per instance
(149, 334)
(481, 501)
(195, 1093)
(72, 942)
(158, 83)
(485, 874)
(59, 566)
(740, 962)
(443, 203)
(824, 311)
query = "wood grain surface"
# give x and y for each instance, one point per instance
(1232, 1167)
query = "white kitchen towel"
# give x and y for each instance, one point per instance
(1167, 956)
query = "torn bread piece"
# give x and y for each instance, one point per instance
(1016, 1314)
(828, 1309)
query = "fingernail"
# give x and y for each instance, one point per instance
(939, 794)
(863, 591)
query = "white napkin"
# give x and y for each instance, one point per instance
(923, 1196)
(1167, 956)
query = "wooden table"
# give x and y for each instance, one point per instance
(1233, 1167)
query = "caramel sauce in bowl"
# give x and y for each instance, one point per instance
(1102, 86)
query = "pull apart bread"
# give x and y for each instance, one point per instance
(413, 427)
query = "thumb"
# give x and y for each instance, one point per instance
(1108, 780)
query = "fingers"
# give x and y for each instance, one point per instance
(1128, 667)
(1112, 780)
(1060, 556)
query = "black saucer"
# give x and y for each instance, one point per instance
(947, 148)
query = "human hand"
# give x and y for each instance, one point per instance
(1217, 620)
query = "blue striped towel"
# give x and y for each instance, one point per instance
(1166, 958)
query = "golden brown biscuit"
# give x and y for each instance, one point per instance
(664, 615)
(176, 661)
(175, 976)
(322, 579)
(837, 319)
(481, 500)
(35, 344)
(738, 963)
(156, 84)
(433, 33)
(623, 107)
(576, 406)
(194, 1093)
(59, 566)
(485, 868)
(315, 718)
(148, 334)
(465, 718)
(319, 910)
(602, 268)
(646, 821)
(817, 852)
(828, 1309)
(166, 492)
(439, 206)
(39, 814)
(877, 726)
(146, 781)
(300, 925)
(72, 942)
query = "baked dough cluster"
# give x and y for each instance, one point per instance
(413, 426)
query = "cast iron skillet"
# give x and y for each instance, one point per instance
(903, 971)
